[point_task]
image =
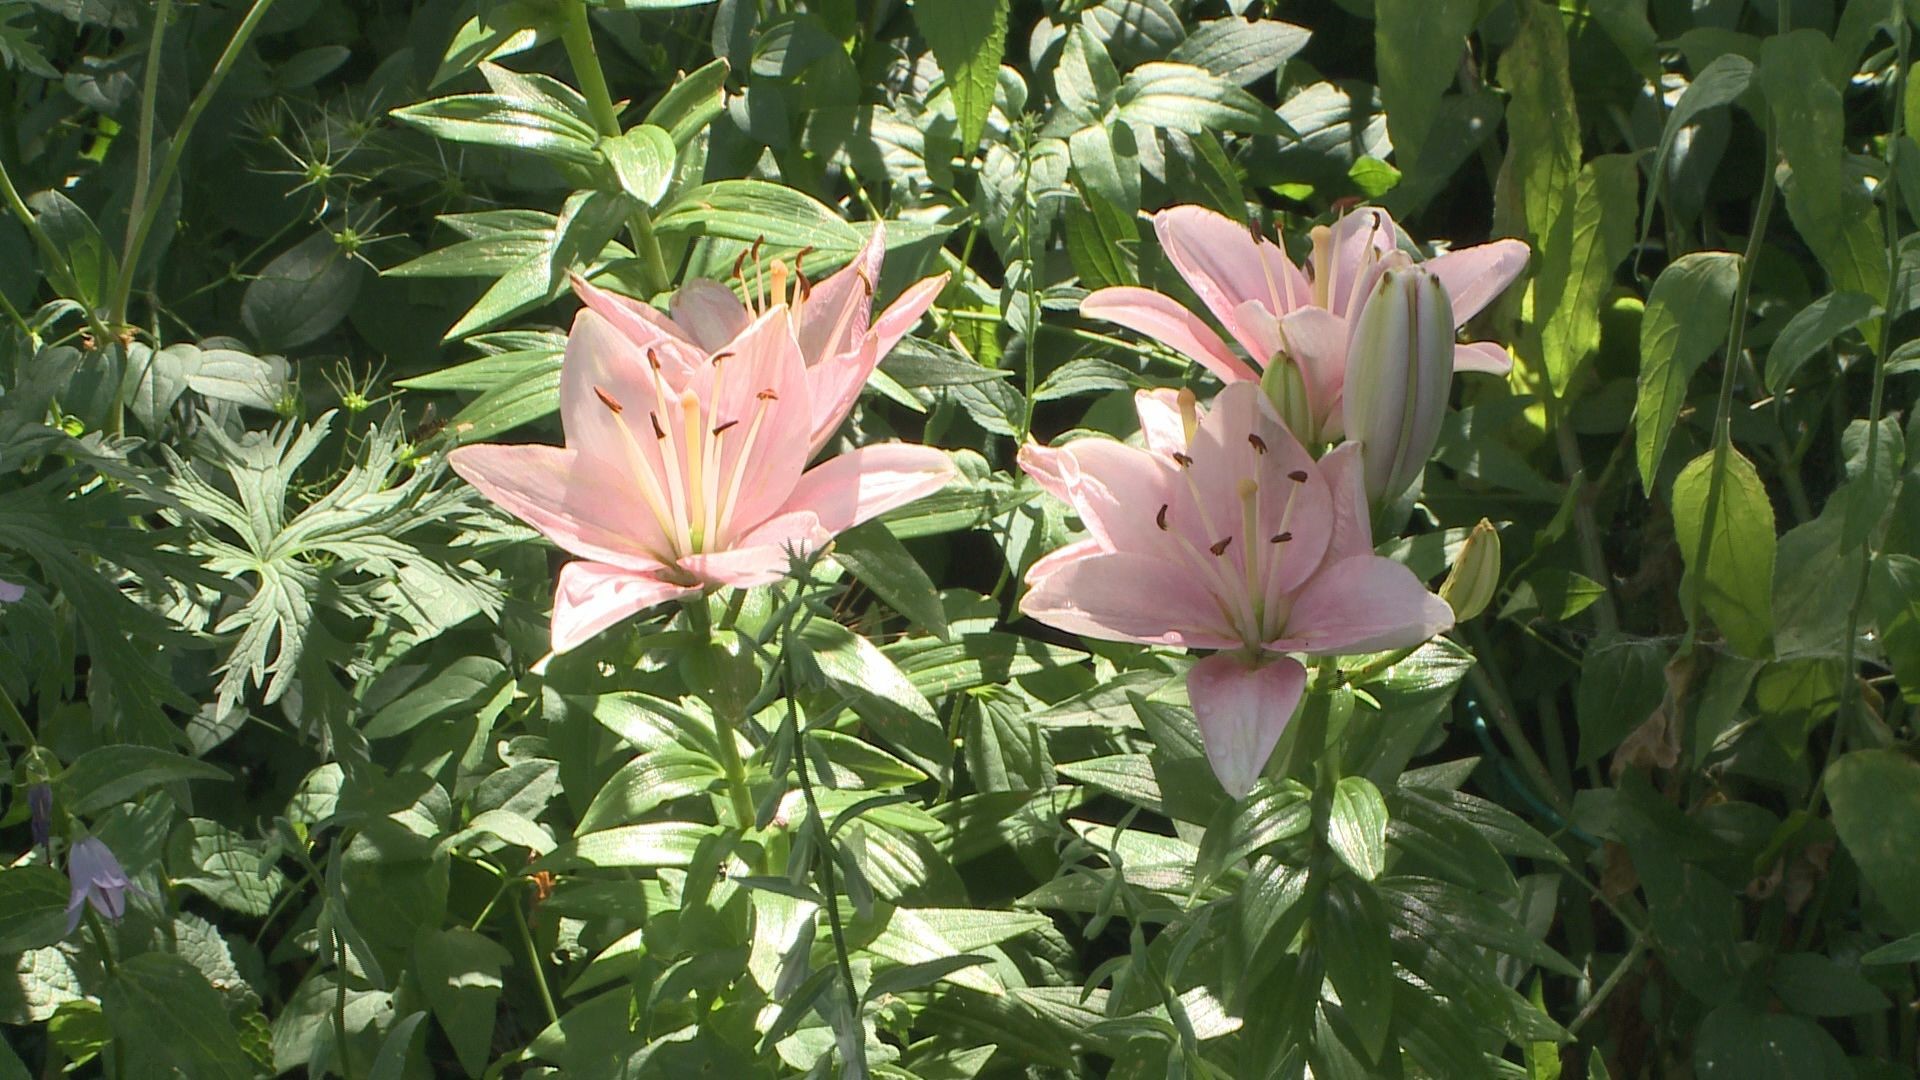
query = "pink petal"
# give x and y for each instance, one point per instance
(591, 597)
(1365, 603)
(1485, 357)
(741, 567)
(587, 509)
(1359, 242)
(1346, 476)
(1160, 318)
(709, 313)
(1124, 596)
(756, 397)
(640, 324)
(1317, 341)
(1242, 706)
(1227, 461)
(834, 384)
(1226, 267)
(1063, 556)
(1116, 489)
(1162, 427)
(1475, 276)
(606, 389)
(904, 313)
(837, 310)
(853, 487)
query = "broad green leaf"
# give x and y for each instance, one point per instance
(1190, 99)
(917, 936)
(107, 775)
(224, 866)
(468, 680)
(968, 38)
(1577, 259)
(1893, 591)
(1085, 78)
(642, 160)
(1738, 1041)
(1810, 330)
(33, 908)
(396, 1050)
(1829, 207)
(1875, 796)
(459, 970)
(644, 783)
(80, 266)
(883, 564)
(751, 211)
(650, 844)
(1621, 682)
(158, 1002)
(508, 123)
(1238, 50)
(1417, 47)
(1815, 985)
(1721, 514)
(1357, 829)
(303, 293)
(1717, 84)
(1686, 319)
(1543, 133)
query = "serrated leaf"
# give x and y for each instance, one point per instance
(968, 38)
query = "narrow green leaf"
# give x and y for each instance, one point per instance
(1356, 944)
(1686, 319)
(1894, 591)
(642, 160)
(883, 564)
(1736, 584)
(1717, 84)
(1417, 47)
(1810, 330)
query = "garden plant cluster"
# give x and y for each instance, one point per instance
(949, 539)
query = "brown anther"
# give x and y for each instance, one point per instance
(1298, 476)
(1182, 460)
(658, 431)
(719, 356)
(1221, 547)
(653, 358)
(866, 283)
(739, 264)
(1160, 518)
(607, 400)
(767, 395)
(755, 249)
(1259, 444)
(725, 426)
(1280, 538)
(800, 257)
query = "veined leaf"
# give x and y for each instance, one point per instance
(1718, 499)
(1686, 319)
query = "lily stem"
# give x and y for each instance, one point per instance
(577, 35)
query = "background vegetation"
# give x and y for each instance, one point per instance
(1654, 813)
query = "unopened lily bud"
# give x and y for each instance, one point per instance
(1399, 368)
(1476, 571)
(1286, 388)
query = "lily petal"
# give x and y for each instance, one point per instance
(1365, 603)
(1164, 320)
(1317, 341)
(1486, 357)
(1162, 426)
(642, 325)
(1226, 266)
(760, 410)
(1475, 276)
(1115, 488)
(592, 596)
(850, 488)
(709, 313)
(837, 310)
(1128, 597)
(1242, 705)
(584, 509)
(1352, 529)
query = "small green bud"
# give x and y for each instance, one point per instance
(1286, 387)
(1476, 572)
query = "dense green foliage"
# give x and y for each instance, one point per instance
(1655, 812)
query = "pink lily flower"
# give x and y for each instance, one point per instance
(1224, 533)
(1273, 309)
(684, 468)
(840, 341)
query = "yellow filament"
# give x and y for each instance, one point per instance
(696, 488)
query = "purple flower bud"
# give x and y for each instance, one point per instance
(40, 807)
(97, 879)
(1399, 369)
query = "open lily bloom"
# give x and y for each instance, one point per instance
(1224, 533)
(685, 463)
(1275, 311)
(840, 340)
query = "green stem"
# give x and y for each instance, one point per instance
(149, 97)
(533, 961)
(1584, 525)
(143, 225)
(829, 890)
(340, 1005)
(1031, 289)
(1607, 986)
(99, 935)
(739, 792)
(1723, 408)
(577, 35)
(1504, 718)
